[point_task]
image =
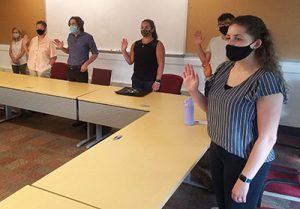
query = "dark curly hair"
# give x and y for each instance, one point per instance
(265, 54)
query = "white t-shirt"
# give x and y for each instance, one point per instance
(16, 47)
(217, 48)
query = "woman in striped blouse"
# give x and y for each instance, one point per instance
(243, 107)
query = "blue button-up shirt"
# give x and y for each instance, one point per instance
(80, 47)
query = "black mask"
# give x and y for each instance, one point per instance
(145, 33)
(40, 31)
(223, 29)
(236, 53)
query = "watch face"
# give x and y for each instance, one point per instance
(244, 179)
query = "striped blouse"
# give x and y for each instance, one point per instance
(231, 112)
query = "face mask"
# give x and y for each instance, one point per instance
(40, 31)
(236, 53)
(145, 33)
(223, 29)
(16, 35)
(73, 28)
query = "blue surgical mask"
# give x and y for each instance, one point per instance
(73, 28)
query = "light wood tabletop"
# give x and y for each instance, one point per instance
(144, 167)
(32, 198)
(141, 169)
(53, 87)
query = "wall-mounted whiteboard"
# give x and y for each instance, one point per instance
(111, 20)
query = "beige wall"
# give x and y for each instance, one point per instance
(282, 17)
(20, 13)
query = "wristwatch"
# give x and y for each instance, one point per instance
(244, 179)
(157, 80)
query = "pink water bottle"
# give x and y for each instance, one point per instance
(189, 112)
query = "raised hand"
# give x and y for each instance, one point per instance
(124, 44)
(190, 79)
(59, 44)
(198, 38)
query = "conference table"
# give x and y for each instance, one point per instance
(142, 164)
(32, 198)
(50, 96)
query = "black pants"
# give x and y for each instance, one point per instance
(19, 69)
(74, 74)
(142, 85)
(225, 170)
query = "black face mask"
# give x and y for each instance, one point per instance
(236, 53)
(40, 31)
(145, 33)
(223, 29)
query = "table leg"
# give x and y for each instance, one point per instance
(90, 134)
(99, 136)
(9, 113)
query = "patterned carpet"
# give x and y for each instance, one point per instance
(32, 147)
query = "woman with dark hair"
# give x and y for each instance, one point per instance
(148, 56)
(243, 107)
(80, 44)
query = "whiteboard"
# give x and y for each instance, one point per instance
(111, 20)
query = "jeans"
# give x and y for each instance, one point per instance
(74, 74)
(142, 85)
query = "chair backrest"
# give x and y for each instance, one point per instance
(101, 77)
(59, 71)
(171, 83)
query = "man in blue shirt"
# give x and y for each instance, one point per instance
(80, 44)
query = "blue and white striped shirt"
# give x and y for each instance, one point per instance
(232, 114)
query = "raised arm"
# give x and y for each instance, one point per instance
(191, 82)
(203, 56)
(60, 45)
(129, 57)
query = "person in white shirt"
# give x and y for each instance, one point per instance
(215, 53)
(17, 51)
(42, 52)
